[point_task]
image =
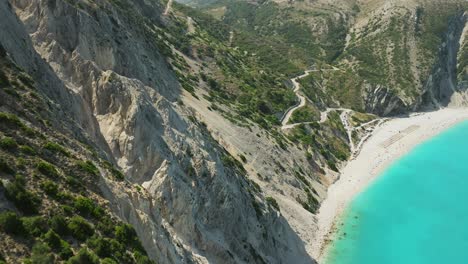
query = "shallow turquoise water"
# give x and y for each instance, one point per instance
(415, 212)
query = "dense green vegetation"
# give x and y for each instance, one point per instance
(307, 113)
(234, 78)
(358, 119)
(462, 74)
(311, 87)
(381, 53)
(328, 139)
(54, 211)
(288, 32)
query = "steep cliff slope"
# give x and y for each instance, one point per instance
(50, 169)
(447, 83)
(102, 64)
(170, 119)
(50, 176)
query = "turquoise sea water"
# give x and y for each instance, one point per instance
(415, 212)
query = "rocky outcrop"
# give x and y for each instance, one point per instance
(462, 58)
(382, 101)
(194, 204)
(187, 195)
(442, 87)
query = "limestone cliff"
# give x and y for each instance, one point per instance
(447, 83)
(187, 108)
(105, 72)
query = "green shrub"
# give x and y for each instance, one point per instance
(47, 169)
(12, 92)
(106, 226)
(84, 206)
(101, 246)
(24, 200)
(302, 179)
(89, 167)
(213, 84)
(8, 143)
(141, 259)
(41, 254)
(243, 158)
(110, 248)
(58, 245)
(5, 167)
(126, 234)
(11, 120)
(117, 174)
(80, 228)
(84, 257)
(257, 208)
(108, 261)
(21, 163)
(305, 114)
(64, 196)
(98, 212)
(271, 201)
(4, 81)
(54, 147)
(35, 225)
(312, 204)
(10, 223)
(53, 240)
(26, 79)
(231, 162)
(332, 165)
(68, 210)
(27, 150)
(65, 250)
(73, 182)
(50, 188)
(59, 225)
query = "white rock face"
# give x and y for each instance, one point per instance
(190, 208)
(443, 88)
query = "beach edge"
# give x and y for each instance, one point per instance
(389, 142)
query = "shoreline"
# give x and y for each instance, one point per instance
(389, 142)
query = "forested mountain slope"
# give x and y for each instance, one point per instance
(388, 51)
(158, 135)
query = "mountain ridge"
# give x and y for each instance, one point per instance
(180, 115)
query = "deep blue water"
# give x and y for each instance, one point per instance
(415, 212)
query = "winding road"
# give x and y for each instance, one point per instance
(348, 127)
(301, 103)
(168, 8)
(302, 100)
(190, 25)
(344, 116)
(231, 37)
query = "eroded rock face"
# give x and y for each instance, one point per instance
(191, 208)
(462, 61)
(446, 84)
(443, 88)
(383, 101)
